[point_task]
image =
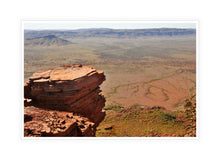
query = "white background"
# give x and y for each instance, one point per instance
(11, 14)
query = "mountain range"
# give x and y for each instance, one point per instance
(110, 33)
(48, 40)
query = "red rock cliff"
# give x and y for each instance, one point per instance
(56, 94)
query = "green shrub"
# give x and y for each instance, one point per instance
(136, 106)
(113, 107)
(165, 117)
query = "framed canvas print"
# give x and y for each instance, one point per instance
(110, 79)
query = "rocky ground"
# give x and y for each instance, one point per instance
(140, 121)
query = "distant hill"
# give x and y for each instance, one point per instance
(47, 40)
(107, 32)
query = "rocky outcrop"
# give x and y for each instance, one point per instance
(70, 89)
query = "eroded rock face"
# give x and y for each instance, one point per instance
(67, 89)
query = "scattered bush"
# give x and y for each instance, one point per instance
(136, 106)
(113, 107)
(167, 116)
(190, 110)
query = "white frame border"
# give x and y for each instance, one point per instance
(111, 138)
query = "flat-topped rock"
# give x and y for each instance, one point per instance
(66, 72)
(69, 78)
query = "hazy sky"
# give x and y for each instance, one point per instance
(106, 24)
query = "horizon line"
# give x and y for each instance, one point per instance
(115, 28)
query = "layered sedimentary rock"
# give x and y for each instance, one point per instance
(67, 89)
